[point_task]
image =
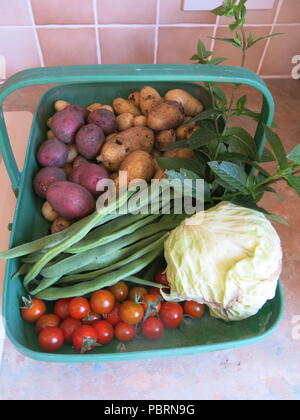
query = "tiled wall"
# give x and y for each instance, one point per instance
(63, 32)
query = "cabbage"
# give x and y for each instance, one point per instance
(228, 258)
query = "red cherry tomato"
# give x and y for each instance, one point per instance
(51, 339)
(152, 302)
(131, 312)
(171, 314)
(68, 327)
(193, 309)
(124, 332)
(113, 317)
(120, 291)
(61, 308)
(153, 328)
(102, 302)
(161, 278)
(46, 321)
(85, 339)
(105, 331)
(32, 310)
(91, 318)
(79, 308)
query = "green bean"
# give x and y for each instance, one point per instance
(78, 234)
(113, 226)
(21, 271)
(143, 200)
(45, 283)
(85, 245)
(48, 241)
(133, 253)
(109, 279)
(142, 282)
(103, 255)
(49, 281)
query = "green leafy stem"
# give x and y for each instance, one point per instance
(225, 157)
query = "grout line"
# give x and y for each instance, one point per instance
(38, 45)
(275, 76)
(213, 41)
(156, 36)
(97, 32)
(262, 59)
(149, 25)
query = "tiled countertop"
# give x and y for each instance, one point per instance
(269, 370)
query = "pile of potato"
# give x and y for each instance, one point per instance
(86, 145)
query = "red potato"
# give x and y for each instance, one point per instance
(89, 141)
(67, 122)
(88, 175)
(45, 178)
(52, 153)
(104, 119)
(71, 201)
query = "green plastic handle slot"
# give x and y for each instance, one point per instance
(129, 73)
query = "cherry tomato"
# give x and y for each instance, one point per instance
(153, 328)
(152, 302)
(68, 327)
(124, 332)
(171, 314)
(131, 312)
(113, 317)
(102, 302)
(120, 291)
(105, 331)
(137, 293)
(61, 308)
(193, 309)
(85, 339)
(45, 321)
(51, 339)
(33, 309)
(79, 308)
(91, 318)
(161, 278)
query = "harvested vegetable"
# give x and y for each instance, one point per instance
(67, 122)
(52, 153)
(191, 105)
(71, 201)
(104, 119)
(165, 116)
(228, 258)
(89, 140)
(45, 177)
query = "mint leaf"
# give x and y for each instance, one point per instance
(209, 113)
(294, 182)
(251, 204)
(202, 52)
(241, 103)
(231, 41)
(240, 141)
(179, 163)
(295, 154)
(217, 61)
(185, 174)
(255, 41)
(267, 156)
(201, 137)
(277, 147)
(232, 174)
